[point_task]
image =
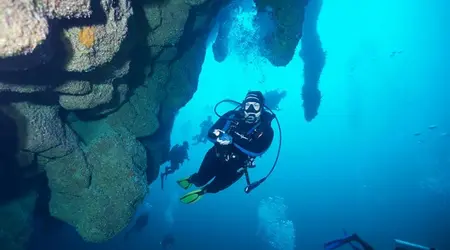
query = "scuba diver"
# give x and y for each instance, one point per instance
(177, 155)
(239, 136)
(140, 223)
(202, 137)
(273, 98)
(167, 242)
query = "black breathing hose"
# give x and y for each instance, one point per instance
(253, 185)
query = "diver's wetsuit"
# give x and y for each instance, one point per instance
(203, 136)
(177, 156)
(222, 162)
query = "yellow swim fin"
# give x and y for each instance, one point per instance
(185, 183)
(192, 197)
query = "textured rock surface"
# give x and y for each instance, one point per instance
(65, 8)
(100, 94)
(22, 27)
(140, 114)
(126, 73)
(74, 87)
(23, 34)
(21, 88)
(105, 182)
(289, 14)
(93, 45)
(40, 118)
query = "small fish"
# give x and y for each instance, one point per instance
(394, 53)
(432, 126)
(444, 134)
(417, 134)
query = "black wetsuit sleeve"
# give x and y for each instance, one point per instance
(220, 124)
(258, 145)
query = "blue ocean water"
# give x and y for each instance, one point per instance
(375, 161)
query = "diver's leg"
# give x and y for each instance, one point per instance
(173, 167)
(223, 180)
(207, 170)
(164, 173)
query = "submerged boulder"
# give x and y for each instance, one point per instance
(98, 189)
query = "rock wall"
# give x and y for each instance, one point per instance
(89, 91)
(279, 45)
(314, 58)
(92, 91)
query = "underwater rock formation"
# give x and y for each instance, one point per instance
(225, 21)
(277, 43)
(313, 57)
(95, 111)
(279, 47)
(93, 45)
(25, 29)
(106, 190)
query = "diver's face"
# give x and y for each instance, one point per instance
(252, 111)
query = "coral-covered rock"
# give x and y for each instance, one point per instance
(184, 75)
(16, 219)
(22, 28)
(168, 22)
(108, 199)
(289, 14)
(65, 8)
(23, 32)
(140, 114)
(119, 96)
(21, 88)
(95, 45)
(97, 99)
(69, 175)
(74, 87)
(100, 94)
(42, 127)
(96, 168)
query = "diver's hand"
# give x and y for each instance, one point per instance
(217, 132)
(225, 139)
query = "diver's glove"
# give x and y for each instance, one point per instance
(224, 139)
